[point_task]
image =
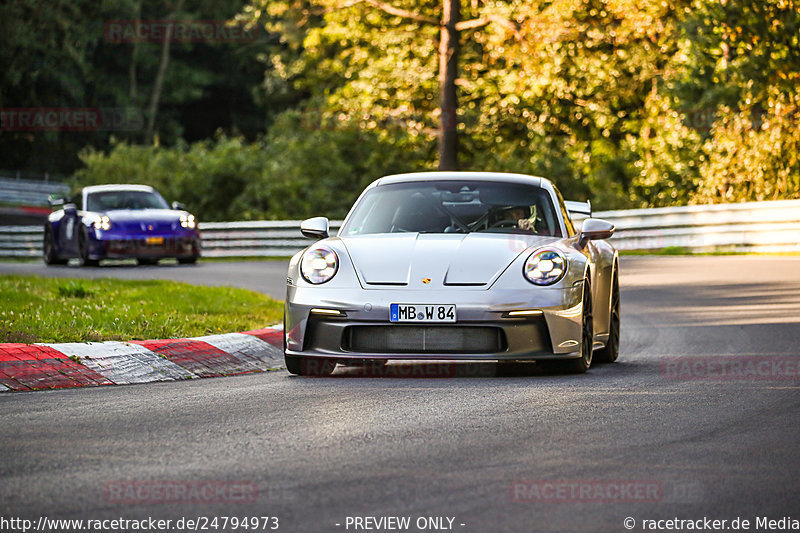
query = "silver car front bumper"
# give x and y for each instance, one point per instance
(555, 333)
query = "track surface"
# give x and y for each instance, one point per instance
(268, 277)
(320, 450)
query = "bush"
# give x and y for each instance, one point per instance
(207, 176)
(301, 169)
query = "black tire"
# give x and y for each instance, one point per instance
(610, 352)
(581, 364)
(309, 366)
(49, 250)
(83, 250)
(146, 261)
(187, 260)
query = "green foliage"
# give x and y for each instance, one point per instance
(305, 167)
(753, 157)
(318, 167)
(631, 103)
(73, 289)
(743, 64)
(206, 176)
(55, 54)
(551, 88)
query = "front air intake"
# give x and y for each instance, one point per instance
(423, 339)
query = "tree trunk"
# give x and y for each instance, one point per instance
(133, 89)
(448, 72)
(155, 96)
(133, 92)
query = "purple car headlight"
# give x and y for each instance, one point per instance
(101, 222)
(545, 267)
(188, 221)
(319, 265)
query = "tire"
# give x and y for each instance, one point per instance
(187, 260)
(83, 250)
(146, 261)
(309, 366)
(582, 363)
(610, 352)
(49, 250)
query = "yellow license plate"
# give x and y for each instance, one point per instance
(155, 240)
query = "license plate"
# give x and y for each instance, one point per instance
(422, 313)
(155, 240)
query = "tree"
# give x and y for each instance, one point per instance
(448, 27)
(158, 84)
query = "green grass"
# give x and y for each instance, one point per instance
(36, 309)
(36, 259)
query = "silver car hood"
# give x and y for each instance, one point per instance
(474, 259)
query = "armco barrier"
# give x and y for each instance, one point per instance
(755, 226)
(255, 239)
(21, 241)
(16, 191)
(743, 227)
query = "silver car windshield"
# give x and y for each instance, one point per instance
(109, 200)
(454, 207)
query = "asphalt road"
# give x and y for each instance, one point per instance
(318, 451)
(268, 277)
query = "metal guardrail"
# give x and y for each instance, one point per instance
(15, 191)
(744, 227)
(255, 239)
(756, 226)
(21, 241)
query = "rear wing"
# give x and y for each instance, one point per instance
(579, 210)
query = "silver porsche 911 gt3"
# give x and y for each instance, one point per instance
(454, 266)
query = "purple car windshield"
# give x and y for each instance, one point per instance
(454, 207)
(110, 200)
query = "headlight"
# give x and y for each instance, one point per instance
(545, 267)
(319, 265)
(188, 221)
(103, 223)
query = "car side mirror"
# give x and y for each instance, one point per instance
(178, 206)
(315, 228)
(594, 229)
(56, 201)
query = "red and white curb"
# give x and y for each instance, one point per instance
(77, 364)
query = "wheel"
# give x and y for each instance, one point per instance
(83, 250)
(610, 352)
(187, 260)
(582, 363)
(309, 366)
(49, 250)
(144, 261)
